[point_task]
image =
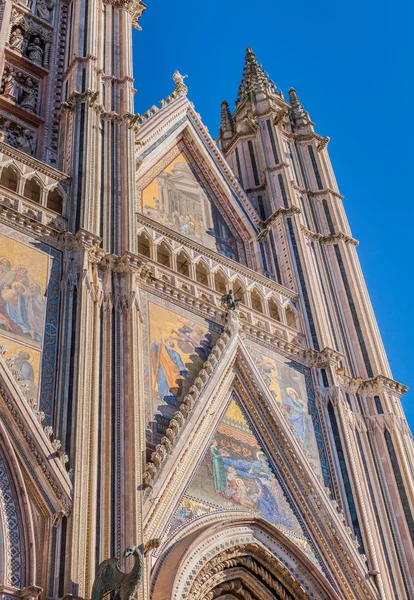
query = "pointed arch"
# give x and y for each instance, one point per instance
(239, 290)
(245, 558)
(202, 273)
(10, 178)
(256, 300)
(291, 317)
(220, 282)
(55, 200)
(33, 189)
(144, 244)
(164, 254)
(183, 263)
(274, 308)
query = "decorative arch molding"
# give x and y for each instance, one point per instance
(238, 558)
(11, 539)
(17, 559)
(14, 165)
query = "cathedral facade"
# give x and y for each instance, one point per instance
(190, 365)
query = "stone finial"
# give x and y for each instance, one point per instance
(226, 121)
(299, 114)
(179, 84)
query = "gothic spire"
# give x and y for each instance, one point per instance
(226, 121)
(255, 79)
(299, 114)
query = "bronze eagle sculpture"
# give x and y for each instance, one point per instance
(230, 301)
(110, 578)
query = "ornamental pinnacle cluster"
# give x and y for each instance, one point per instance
(196, 403)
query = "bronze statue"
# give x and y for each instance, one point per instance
(109, 578)
(230, 301)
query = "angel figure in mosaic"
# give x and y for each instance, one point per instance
(169, 370)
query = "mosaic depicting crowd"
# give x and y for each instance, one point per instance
(22, 303)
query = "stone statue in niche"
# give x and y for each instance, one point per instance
(17, 39)
(35, 51)
(29, 95)
(44, 9)
(11, 86)
(25, 141)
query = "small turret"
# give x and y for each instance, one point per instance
(299, 115)
(226, 131)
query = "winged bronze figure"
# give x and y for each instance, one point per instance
(230, 301)
(110, 578)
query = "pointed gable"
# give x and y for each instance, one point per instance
(175, 195)
(235, 474)
(185, 184)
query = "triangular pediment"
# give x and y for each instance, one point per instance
(185, 184)
(235, 474)
(237, 447)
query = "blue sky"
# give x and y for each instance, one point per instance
(351, 63)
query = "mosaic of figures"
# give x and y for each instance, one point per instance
(179, 343)
(235, 474)
(25, 282)
(176, 199)
(290, 389)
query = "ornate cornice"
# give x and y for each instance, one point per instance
(380, 384)
(329, 239)
(79, 60)
(30, 226)
(282, 211)
(321, 193)
(325, 358)
(374, 386)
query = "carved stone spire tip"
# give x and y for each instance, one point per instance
(255, 80)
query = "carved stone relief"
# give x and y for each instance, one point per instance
(30, 39)
(21, 89)
(18, 136)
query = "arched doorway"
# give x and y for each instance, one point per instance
(236, 558)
